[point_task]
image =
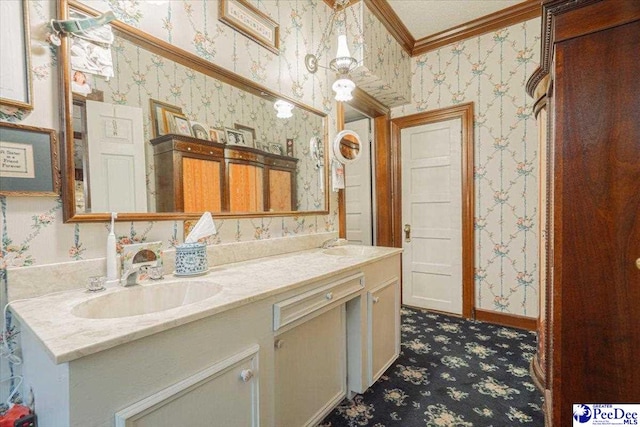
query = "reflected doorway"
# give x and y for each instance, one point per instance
(359, 182)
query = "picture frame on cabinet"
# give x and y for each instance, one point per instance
(16, 85)
(246, 19)
(235, 137)
(200, 131)
(178, 124)
(158, 120)
(216, 135)
(249, 134)
(29, 163)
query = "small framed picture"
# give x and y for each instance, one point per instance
(290, 147)
(275, 148)
(235, 137)
(178, 123)
(158, 116)
(199, 131)
(249, 134)
(28, 161)
(216, 135)
(80, 83)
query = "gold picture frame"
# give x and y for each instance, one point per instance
(158, 119)
(178, 123)
(246, 19)
(16, 85)
(29, 163)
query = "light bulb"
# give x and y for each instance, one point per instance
(284, 109)
(343, 88)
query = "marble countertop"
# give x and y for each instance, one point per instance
(67, 337)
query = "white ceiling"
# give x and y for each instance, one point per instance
(427, 17)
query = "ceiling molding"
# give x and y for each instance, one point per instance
(503, 18)
(520, 12)
(385, 13)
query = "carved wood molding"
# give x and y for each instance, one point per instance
(520, 12)
(385, 13)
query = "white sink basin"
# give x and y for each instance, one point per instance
(351, 250)
(147, 299)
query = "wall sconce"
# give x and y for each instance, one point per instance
(284, 109)
(343, 63)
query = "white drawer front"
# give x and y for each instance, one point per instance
(292, 309)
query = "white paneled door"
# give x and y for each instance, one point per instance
(358, 180)
(117, 179)
(432, 216)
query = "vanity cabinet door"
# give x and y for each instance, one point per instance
(383, 318)
(224, 394)
(310, 369)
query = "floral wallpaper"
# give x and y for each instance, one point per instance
(491, 71)
(385, 72)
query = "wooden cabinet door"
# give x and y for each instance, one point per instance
(383, 305)
(596, 236)
(246, 189)
(310, 369)
(201, 185)
(280, 191)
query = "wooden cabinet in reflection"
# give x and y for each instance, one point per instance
(194, 175)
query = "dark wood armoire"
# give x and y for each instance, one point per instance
(587, 92)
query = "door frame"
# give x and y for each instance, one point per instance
(465, 113)
(380, 114)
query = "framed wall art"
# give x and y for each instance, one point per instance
(200, 131)
(216, 135)
(158, 121)
(245, 18)
(178, 123)
(29, 163)
(15, 80)
(249, 134)
(235, 137)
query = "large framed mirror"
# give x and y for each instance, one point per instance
(171, 135)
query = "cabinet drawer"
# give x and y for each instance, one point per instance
(292, 309)
(198, 149)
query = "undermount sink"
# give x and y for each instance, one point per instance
(147, 299)
(351, 250)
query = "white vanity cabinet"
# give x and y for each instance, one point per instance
(311, 350)
(269, 354)
(383, 335)
(203, 373)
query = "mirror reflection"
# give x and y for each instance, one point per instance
(161, 137)
(347, 146)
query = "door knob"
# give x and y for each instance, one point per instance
(638, 263)
(246, 375)
(407, 233)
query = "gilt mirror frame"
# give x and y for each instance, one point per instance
(180, 56)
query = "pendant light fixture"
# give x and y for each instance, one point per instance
(343, 63)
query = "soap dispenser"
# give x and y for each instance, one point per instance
(112, 259)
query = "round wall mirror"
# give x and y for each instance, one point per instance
(347, 147)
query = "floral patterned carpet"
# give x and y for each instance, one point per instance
(451, 373)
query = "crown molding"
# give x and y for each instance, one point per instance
(385, 13)
(520, 12)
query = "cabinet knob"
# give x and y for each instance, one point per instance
(375, 299)
(188, 148)
(329, 295)
(246, 375)
(278, 343)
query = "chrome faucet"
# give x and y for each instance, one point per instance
(329, 243)
(130, 276)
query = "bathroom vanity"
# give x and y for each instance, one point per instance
(260, 342)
